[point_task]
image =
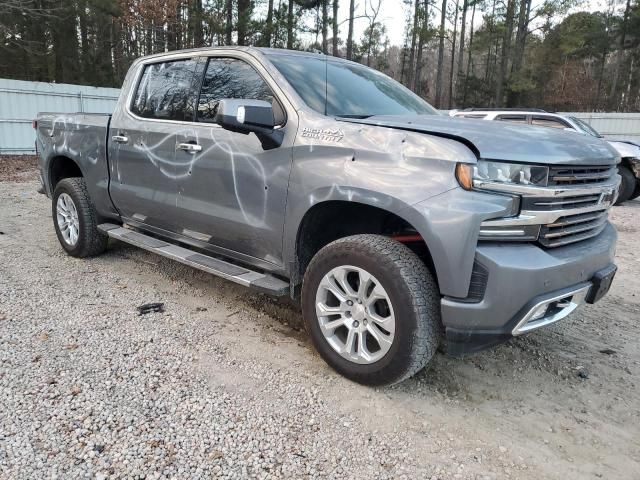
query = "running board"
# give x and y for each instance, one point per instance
(259, 281)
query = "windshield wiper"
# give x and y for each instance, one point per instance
(354, 116)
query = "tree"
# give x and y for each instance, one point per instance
(334, 40)
(350, 34)
(441, 32)
(506, 53)
(269, 25)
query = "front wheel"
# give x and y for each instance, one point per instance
(75, 219)
(372, 309)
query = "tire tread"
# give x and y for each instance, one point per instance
(411, 271)
(93, 242)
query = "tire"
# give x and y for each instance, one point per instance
(636, 193)
(628, 185)
(76, 208)
(412, 303)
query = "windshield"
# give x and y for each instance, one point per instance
(346, 89)
(586, 127)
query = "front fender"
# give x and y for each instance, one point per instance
(449, 224)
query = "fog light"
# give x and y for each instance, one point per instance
(539, 312)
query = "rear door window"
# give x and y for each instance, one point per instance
(548, 122)
(165, 91)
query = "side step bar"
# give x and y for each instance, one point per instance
(259, 281)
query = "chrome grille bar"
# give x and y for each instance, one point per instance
(579, 175)
(572, 228)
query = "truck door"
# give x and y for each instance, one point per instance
(235, 192)
(142, 139)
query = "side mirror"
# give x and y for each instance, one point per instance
(247, 116)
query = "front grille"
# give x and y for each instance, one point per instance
(561, 203)
(580, 175)
(573, 228)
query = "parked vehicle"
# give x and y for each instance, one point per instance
(629, 151)
(305, 175)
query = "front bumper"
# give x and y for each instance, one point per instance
(520, 278)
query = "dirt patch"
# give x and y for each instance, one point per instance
(18, 168)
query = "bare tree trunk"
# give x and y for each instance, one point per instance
(269, 26)
(412, 52)
(506, 53)
(443, 15)
(229, 26)
(463, 27)
(487, 70)
(290, 25)
(453, 54)
(350, 34)
(614, 103)
(84, 42)
(334, 40)
(244, 16)
(469, 51)
(198, 33)
(521, 39)
(325, 26)
(424, 25)
(605, 53)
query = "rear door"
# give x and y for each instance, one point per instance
(142, 137)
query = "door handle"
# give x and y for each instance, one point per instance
(120, 138)
(189, 147)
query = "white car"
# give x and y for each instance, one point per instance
(629, 168)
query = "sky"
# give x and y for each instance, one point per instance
(392, 15)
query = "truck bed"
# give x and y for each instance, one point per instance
(81, 137)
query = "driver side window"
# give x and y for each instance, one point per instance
(233, 78)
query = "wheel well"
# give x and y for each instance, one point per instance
(61, 168)
(329, 221)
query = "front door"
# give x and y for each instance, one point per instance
(235, 190)
(142, 139)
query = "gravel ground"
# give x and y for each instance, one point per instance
(224, 384)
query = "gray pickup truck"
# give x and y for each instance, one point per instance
(398, 230)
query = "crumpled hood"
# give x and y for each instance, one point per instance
(494, 140)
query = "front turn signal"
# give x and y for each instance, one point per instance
(464, 174)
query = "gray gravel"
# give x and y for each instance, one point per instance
(224, 384)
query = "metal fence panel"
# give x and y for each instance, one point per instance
(623, 126)
(21, 101)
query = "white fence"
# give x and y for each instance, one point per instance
(21, 101)
(613, 125)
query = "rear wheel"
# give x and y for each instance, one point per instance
(627, 186)
(75, 219)
(372, 309)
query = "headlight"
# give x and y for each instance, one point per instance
(485, 172)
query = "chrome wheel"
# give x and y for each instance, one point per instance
(67, 216)
(355, 314)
